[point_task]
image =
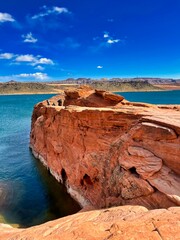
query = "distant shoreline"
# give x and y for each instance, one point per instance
(168, 87)
(30, 88)
(56, 93)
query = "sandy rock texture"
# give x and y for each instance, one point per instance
(108, 151)
(125, 223)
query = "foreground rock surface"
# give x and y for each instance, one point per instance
(125, 223)
(108, 151)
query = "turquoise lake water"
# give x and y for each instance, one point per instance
(159, 97)
(29, 195)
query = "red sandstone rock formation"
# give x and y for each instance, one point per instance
(108, 151)
(125, 223)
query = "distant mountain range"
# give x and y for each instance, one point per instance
(113, 84)
(124, 84)
(155, 81)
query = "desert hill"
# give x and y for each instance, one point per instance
(14, 87)
(113, 84)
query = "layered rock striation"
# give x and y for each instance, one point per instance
(108, 151)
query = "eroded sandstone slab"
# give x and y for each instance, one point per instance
(108, 151)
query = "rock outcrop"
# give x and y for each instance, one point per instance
(108, 151)
(125, 223)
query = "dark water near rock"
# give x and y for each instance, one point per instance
(29, 195)
(160, 97)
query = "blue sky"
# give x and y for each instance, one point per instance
(58, 39)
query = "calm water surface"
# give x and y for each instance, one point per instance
(29, 195)
(160, 97)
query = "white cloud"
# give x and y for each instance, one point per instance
(6, 56)
(106, 35)
(26, 58)
(99, 67)
(40, 68)
(37, 75)
(50, 11)
(28, 38)
(45, 61)
(27, 76)
(111, 41)
(33, 60)
(6, 17)
(60, 10)
(105, 42)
